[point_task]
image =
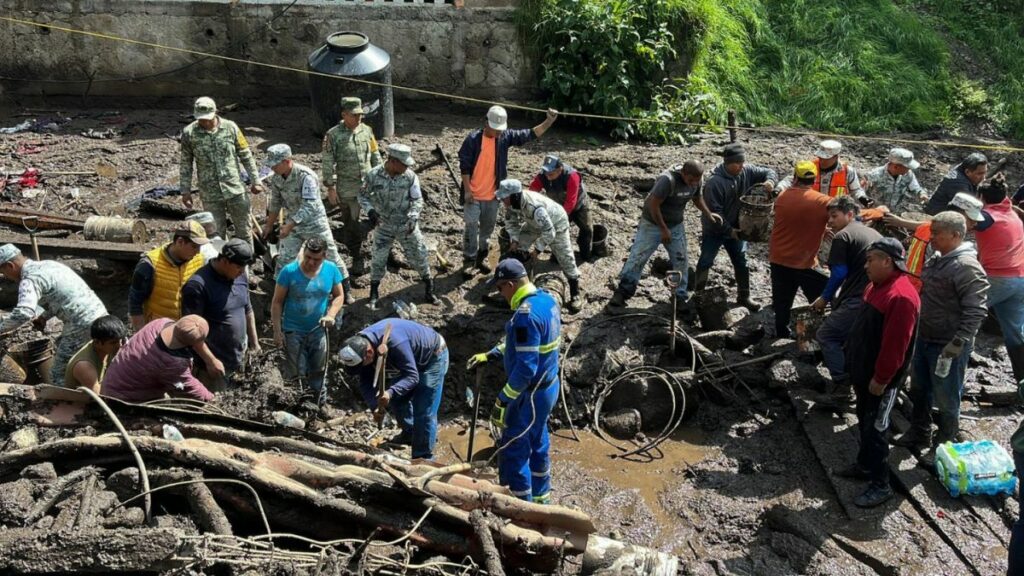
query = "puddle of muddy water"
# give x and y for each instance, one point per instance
(586, 477)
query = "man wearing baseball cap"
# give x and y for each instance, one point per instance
(211, 248)
(58, 291)
(157, 360)
(158, 277)
(1000, 237)
(530, 354)
(835, 177)
(393, 202)
(349, 153)
(563, 184)
(894, 183)
(878, 353)
(296, 188)
(219, 292)
(483, 162)
(217, 148)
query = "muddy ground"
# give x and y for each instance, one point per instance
(743, 486)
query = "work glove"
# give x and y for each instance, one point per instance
(498, 413)
(373, 218)
(953, 349)
(866, 202)
(482, 358)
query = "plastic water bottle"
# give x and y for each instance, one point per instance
(404, 310)
(981, 467)
(288, 420)
(173, 434)
(944, 363)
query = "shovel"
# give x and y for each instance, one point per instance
(476, 413)
(103, 170)
(31, 229)
(379, 376)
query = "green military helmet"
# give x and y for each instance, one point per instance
(352, 105)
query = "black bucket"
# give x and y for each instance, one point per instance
(351, 55)
(36, 358)
(599, 247)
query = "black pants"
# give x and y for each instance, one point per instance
(581, 218)
(873, 423)
(785, 282)
(1015, 566)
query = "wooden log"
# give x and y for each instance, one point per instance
(24, 550)
(482, 528)
(53, 493)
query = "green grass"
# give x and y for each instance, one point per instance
(851, 66)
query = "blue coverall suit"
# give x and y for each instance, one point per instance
(530, 353)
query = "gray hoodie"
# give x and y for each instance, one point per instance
(954, 293)
(722, 193)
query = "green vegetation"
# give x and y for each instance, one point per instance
(850, 66)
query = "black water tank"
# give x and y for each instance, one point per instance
(351, 55)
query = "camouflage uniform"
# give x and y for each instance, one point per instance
(899, 194)
(542, 220)
(348, 155)
(219, 157)
(299, 195)
(398, 201)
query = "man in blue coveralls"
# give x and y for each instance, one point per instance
(530, 352)
(420, 356)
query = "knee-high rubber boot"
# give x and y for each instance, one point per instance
(481, 261)
(428, 291)
(743, 291)
(374, 294)
(346, 287)
(700, 281)
(575, 299)
(1016, 354)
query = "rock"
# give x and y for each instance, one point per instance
(747, 331)
(713, 308)
(791, 373)
(623, 423)
(25, 437)
(42, 471)
(716, 339)
(15, 501)
(784, 346)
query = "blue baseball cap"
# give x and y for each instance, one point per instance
(551, 163)
(508, 269)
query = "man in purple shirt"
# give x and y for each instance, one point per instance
(157, 360)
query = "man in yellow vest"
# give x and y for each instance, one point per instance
(156, 283)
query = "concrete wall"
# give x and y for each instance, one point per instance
(472, 50)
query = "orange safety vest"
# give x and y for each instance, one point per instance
(165, 299)
(837, 186)
(918, 252)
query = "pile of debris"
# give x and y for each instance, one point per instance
(179, 485)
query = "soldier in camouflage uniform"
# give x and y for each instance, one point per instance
(349, 152)
(531, 217)
(219, 150)
(393, 201)
(296, 188)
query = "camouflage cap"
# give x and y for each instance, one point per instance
(8, 252)
(276, 154)
(402, 153)
(507, 188)
(204, 108)
(352, 105)
(193, 231)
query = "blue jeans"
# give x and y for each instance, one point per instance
(306, 357)
(710, 245)
(480, 217)
(417, 412)
(646, 242)
(927, 389)
(1006, 298)
(1015, 567)
(833, 333)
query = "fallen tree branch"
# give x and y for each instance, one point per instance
(482, 529)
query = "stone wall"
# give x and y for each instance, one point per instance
(471, 49)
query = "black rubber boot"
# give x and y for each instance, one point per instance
(346, 287)
(743, 291)
(481, 261)
(374, 293)
(1016, 355)
(575, 299)
(700, 281)
(468, 268)
(618, 300)
(428, 291)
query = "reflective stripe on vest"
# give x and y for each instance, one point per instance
(836, 186)
(165, 299)
(919, 249)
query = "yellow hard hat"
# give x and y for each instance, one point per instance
(805, 169)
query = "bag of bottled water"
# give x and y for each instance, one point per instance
(980, 467)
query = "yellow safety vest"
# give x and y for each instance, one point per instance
(165, 299)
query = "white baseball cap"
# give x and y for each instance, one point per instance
(828, 149)
(497, 118)
(969, 205)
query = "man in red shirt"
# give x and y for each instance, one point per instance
(563, 184)
(878, 355)
(801, 214)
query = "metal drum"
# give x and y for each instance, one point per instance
(351, 57)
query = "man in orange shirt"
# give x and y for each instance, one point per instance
(801, 214)
(483, 161)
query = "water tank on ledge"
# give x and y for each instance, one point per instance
(351, 55)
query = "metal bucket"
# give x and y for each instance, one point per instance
(756, 216)
(115, 229)
(36, 358)
(599, 247)
(806, 322)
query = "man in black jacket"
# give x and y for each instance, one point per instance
(964, 177)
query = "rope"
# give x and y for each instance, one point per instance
(425, 92)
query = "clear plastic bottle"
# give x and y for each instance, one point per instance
(944, 363)
(173, 434)
(289, 420)
(404, 309)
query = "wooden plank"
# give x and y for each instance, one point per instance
(52, 247)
